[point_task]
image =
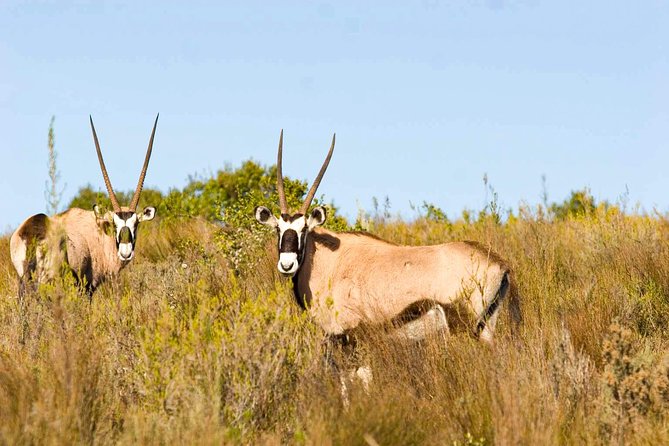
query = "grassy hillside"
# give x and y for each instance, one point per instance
(199, 341)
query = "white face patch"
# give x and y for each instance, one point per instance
(296, 225)
(130, 223)
(125, 251)
(288, 263)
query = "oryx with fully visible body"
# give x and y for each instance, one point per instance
(92, 244)
(347, 279)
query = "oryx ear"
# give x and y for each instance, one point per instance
(100, 216)
(317, 217)
(265, 217)
(147, 214)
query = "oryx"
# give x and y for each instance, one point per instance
(92, 244)
(347, 279)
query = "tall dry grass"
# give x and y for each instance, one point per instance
(180, 348)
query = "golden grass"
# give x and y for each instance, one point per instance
(181, 349)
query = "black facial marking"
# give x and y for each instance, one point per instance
(289, 241)
(303, 237)
(125, 236)
(291, 218)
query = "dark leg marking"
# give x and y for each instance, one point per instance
(343, 342)
(494, 305)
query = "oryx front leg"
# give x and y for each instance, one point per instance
(363, 373)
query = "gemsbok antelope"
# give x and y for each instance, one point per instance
(91, 244)
(350, 279)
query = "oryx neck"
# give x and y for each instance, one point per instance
(301, 277)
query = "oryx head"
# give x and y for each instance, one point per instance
(292, 229)
(124, 220)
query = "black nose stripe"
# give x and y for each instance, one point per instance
(125, 236)
(289, 241)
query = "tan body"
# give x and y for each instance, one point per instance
(348, 279)
(43, 245)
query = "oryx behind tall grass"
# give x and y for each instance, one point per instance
(91, 244)
(349, 279)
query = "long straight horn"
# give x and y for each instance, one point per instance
(317, 181)
(142, 175)
(110, 191)
(279, 178)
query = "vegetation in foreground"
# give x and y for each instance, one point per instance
(199, 341)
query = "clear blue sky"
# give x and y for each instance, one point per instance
(426, 96)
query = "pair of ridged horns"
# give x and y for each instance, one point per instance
(312, 192)
(142, 175)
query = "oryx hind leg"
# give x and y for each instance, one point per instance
(23, 248)
(488, 319)
(432, 321)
